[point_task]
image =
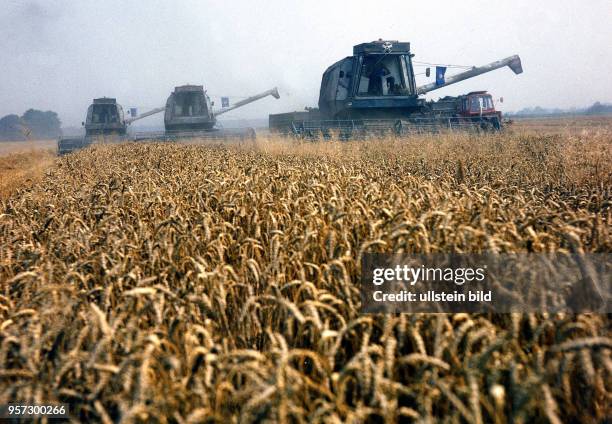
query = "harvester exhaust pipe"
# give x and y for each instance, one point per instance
(273, 92)
(513, 62)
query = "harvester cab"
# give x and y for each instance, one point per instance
(477, 103)
(188, 108)
(377, 81)
(105, 117)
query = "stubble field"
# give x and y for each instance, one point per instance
(193, 283)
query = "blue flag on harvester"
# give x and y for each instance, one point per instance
(440, 71)
(224, 101)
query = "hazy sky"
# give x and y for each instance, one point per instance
(59, 55)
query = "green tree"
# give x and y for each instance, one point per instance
(598, 108)
(11, 128)
(42, 124)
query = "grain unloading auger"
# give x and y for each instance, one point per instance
(374, 92)
(188, 113)
(513, 62)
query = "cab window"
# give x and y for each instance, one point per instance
(188, 104)
(383, 75)
(475, 104)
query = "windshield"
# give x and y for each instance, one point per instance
(383, 75)
(104, 114)
(188, 104)
(481, 102)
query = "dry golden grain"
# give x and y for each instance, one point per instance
(178, 283)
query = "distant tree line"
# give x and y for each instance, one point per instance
(599, 109)
(32, 125)
(596, 108)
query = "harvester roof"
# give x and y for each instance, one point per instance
(105, 101)
(188, 88)
(382, 47)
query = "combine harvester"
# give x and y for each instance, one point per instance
(104, 119)
(374, 92)
(188, 114)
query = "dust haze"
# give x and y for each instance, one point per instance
(58, 55)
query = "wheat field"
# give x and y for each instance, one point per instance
(219, 283)
(23, 163)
